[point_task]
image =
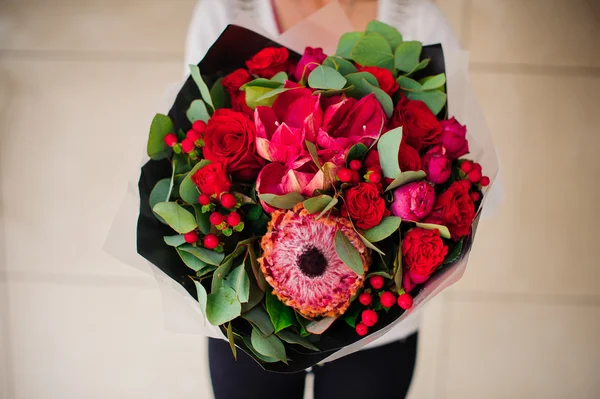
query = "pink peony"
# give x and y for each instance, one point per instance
(454, 138)
(437, 165)
(310, 59)
(413, 201)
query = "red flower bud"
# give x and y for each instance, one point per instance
(170, 139)
(211, 241)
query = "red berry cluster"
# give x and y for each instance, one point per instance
(194, 139)
(387, 299)
(351, 174)
(471, 172)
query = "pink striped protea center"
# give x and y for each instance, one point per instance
(300, 262)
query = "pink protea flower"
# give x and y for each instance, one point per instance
(413, 201)
(300, 262)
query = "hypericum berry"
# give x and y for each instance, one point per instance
(355, 164)
(233, 219)
(355, 177)
(199, 126)
(484, 181)
(474, 176)
(374, 177)
(204, 199)
(362, 329)
(365, 298)
(475, 196)
(187, 145)
(228, 200)
(405, 301)
(387, 299)
(191, 237)
(216, 218)
(193, 135)
(476, 166)
(466, 166)
(369, 317)
(170, 139)
(211, 241)
(376, 282)
(345, 175)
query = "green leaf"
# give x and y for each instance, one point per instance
(263, 83)
(187, 189)
(348, 254)
(191, 261)
(317, 204)
(287, 201)
(281, 315)
(231, 339)
(357, 81)
(197, 112)
(347, 43)
(384, 229)
(421, 65)
(239, 281)
(275, 92)
(258, 275)
(433, 82)
(219, 276)
(219, 95)
(374, 50)
(161, 126)
(201, 295)
(280, 77)
(407, 55)
(351, 315)
(398, 267)
(339, 64)
(254, 95)
(454, 255)
(312, 150)
(406, 177)
(444, 232)
(408, 84)
(325, 77)
(270, 346)
(388, 147)
(384, 99)
(159, 194)
(331, 204)
(203, 219)
(320, 326)
(260, 320)
(204, 92)
(253, 211)
(174, 241)
(291, 337)
(369, 244)
(205, 255)
(256, 295)
(222, 306)
(176, 216)
(390, 33)
(357, 151)
(434, 99)
(263, 358)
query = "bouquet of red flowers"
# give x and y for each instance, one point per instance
(305, 200)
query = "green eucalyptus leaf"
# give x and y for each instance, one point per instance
(291, 337)
(201, 295)
(407, 55)
(454, 255)
(435, 99)
(408, 84)
(231, 339)
(433, 82)
(258, 275)
(205, 255)
(187, 189)
(281, 315)
(384, 99)
(369, 244)
(159, 194)
(255, 97)
(347, 43)
(388, 147)
(157, 148)
(239, 281)
(197, 112)
(406, 177)
(331, 204)
(348, 254)
(398, 268)
(280, 77)
(260, 320)
(317, 204)
(256, 295)
(275, 92)
(356, 80)
(219, 276)
(174, 241)
(192, 262)
(176, 216)
(341, 65)
(219, 95)
(390, 33)
(261, 357)
(269, 346)
(203, 219)
(204, 92)
(325, 77)
(374, 50)
(384, 229)
(287, 201)
(444, 232)
(263, 83)
(312, 150)
(356, 152)
(222, 306)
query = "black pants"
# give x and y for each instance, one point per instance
(384, 371)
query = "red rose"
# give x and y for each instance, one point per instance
(230, 139)
(408, 158)
(365, 206)
(455, 209)
(212, 179)
(423, 251)
(384, 77)
(235, 80)
(238, 103)
(269, 61)
(420, 128)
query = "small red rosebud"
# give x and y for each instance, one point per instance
(355, 164)
(187, 145)
(199, 126)
(405, 301)
(466, 166)
(362, 329)
(376, 282)
(369, 317)
(387, 299)
(216, 218)
(228, 200)
(365, 298)
(211, 241)
(374, 177)
(204, 199)
(191, 237)
(345, 175)
(233, 219)
(475, 196)
(484, 181)
(474, 176)
(192, 135)
(170, 139)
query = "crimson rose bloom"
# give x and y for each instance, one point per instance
(212, 179)
(408, 158)
(230, 139)
(235, 80)
(269, 61)
(420, 128)
(454, 208)
(311, 58)
(384, 77)
(365, 206)
(423, 251)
